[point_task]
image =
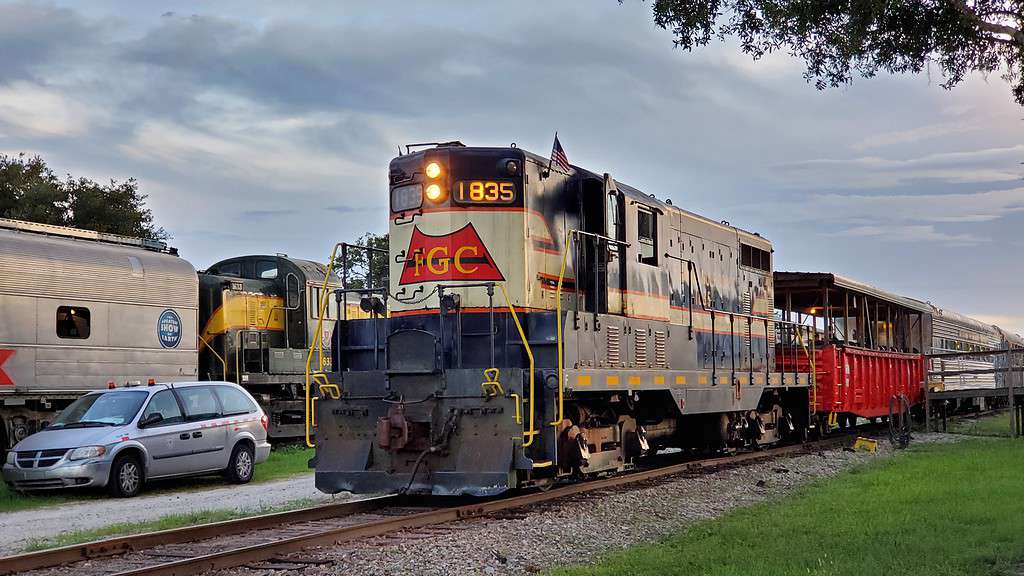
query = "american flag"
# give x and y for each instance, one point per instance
(558, 156)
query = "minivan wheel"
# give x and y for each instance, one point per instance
(240, 467)
(125, 476)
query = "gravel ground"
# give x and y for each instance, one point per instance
(577, 530)
(17, 529)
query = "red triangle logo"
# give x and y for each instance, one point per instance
(460, 255)
(5, 379)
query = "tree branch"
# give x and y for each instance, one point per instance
(1015, 33)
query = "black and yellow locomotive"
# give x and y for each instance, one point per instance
(545, 323)
(258, 317)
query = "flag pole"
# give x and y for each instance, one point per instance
(552, 155)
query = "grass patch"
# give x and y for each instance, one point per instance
(936, 509)
(284, 462)
(988, 425)
(164, 523)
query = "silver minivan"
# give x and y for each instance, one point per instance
(120, 438)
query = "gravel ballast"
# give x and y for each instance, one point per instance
(579, 529)
(18, 529)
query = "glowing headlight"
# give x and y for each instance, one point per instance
(433, 170)
(87, 452)
(434, 192)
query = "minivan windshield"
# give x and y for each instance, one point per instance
(115, 408)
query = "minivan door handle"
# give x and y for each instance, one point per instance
(183, 436)
(197, 434)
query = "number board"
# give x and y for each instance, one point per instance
(484, 192)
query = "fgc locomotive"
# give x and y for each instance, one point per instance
(546, 323)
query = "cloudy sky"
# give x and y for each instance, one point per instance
(267, 127)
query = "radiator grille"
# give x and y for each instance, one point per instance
(659, 349)
(614, 348)
(640, 347)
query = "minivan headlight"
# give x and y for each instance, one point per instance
(10, 457)
(87, 452)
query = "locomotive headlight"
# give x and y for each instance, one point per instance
(434, 193)
(433, 170)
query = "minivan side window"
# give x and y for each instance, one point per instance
(199, 403)
(234, 401)
(164, 404)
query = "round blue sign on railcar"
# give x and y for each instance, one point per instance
(168, 329)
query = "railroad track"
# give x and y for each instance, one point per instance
(270, 538)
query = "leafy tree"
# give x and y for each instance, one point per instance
(365, 268)
(839, 38)
(29, 190)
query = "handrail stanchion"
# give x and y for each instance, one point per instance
(529, 354)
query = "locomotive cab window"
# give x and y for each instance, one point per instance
(73, 322)
(647, 234)
(230, 269)
(266, 269)
(755, 258)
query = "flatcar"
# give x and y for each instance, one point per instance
(547, 323)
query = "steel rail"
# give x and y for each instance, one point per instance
(125, 544)
(260, 552)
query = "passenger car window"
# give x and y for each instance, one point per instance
(73, 322)
(199, 402)
(164, 404)
(266, 269)
(234, 401)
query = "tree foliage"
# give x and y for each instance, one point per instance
(838, 39)
(365, 268)
(29, 190)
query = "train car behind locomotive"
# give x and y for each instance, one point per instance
(79, 309)
(545, 323)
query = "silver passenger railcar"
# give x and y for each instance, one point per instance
(79, 309)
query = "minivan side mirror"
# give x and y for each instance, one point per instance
(151, 419)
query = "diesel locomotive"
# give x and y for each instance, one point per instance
(546, 323)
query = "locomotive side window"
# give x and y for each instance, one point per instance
(231, 269)
(755, 258)
(73, 322)
(266, 269)
(647, 233)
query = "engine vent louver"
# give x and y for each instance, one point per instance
(659, 349)
(640, 348)
(614, 346)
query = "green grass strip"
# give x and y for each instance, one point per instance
(934, 510)
(163, 523)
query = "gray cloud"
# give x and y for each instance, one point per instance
(293, 114)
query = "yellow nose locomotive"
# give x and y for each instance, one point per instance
(546, 323)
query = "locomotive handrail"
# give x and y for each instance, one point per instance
(558, 313)
(223, 362)
(529, 354)
(528, 434)
(318, 340)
